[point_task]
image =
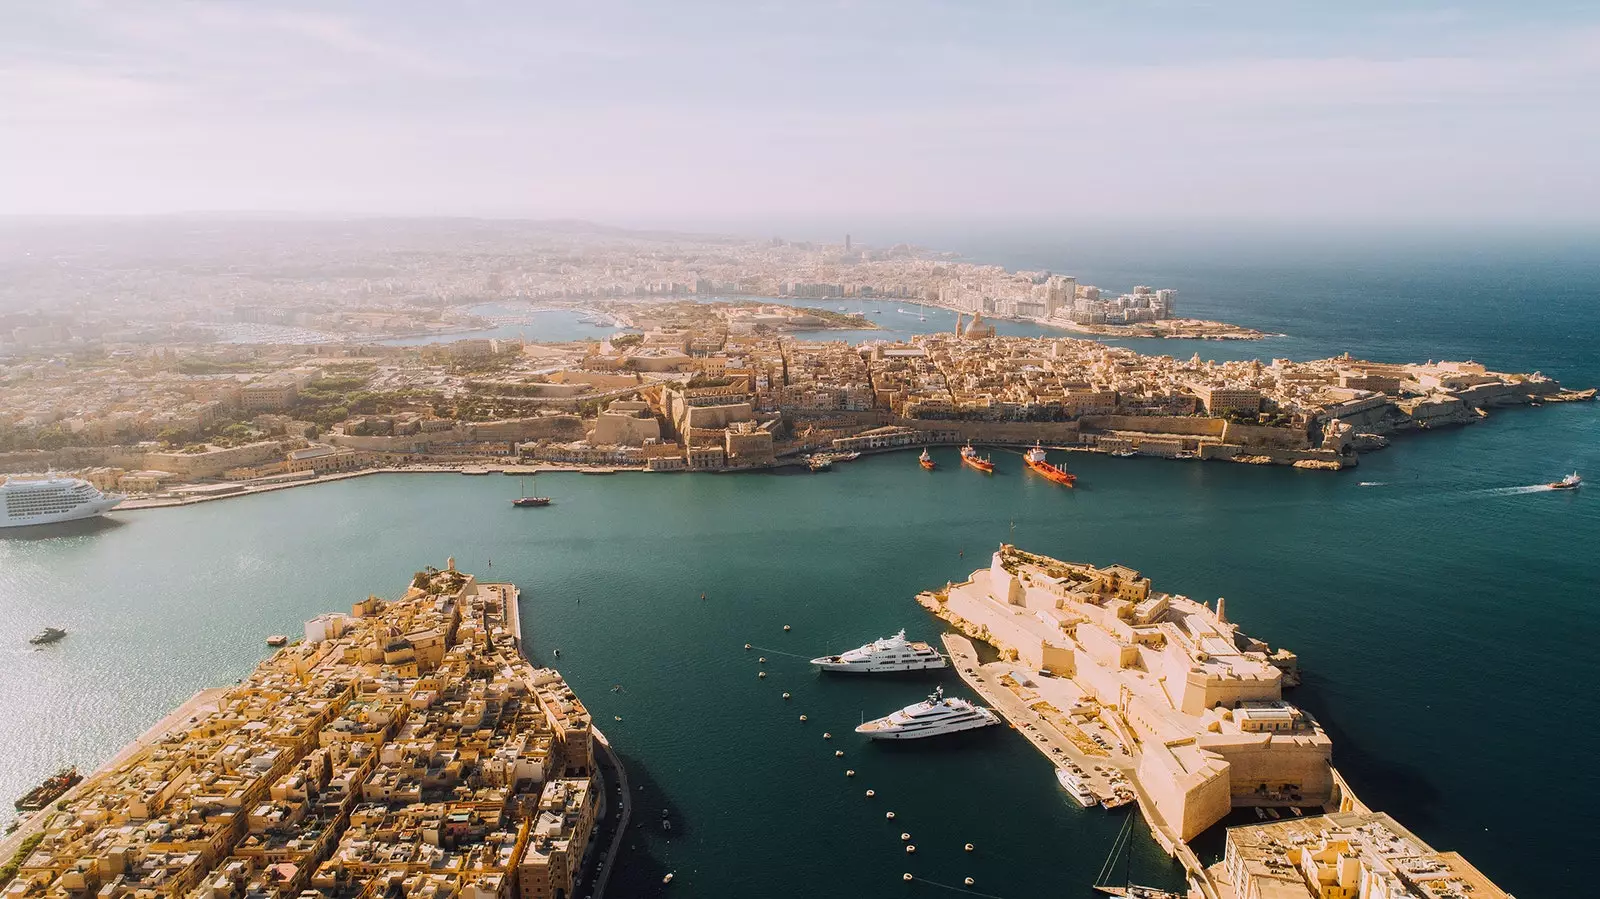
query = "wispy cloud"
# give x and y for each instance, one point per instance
(591, 108)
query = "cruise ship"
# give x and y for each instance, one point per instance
(931, 718)
(888, 654)
(50, 501)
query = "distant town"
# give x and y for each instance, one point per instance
(364, 281)
(116, 386)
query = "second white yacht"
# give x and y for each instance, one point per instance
(888, 654)
(1076, 787)
(931, 718)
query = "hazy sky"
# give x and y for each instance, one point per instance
(681, 111)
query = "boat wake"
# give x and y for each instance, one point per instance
(1515, 491)
(1373, 484)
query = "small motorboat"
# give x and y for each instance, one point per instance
(1570, 482)
(926, 461)
(48, 635)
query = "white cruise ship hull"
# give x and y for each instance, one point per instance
(1075, 788)
(91, 509)
(923, 732)
(878, 667)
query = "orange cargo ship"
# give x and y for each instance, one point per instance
(1036, 460)
(927, 461)
(969, 456)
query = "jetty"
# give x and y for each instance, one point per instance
(1162, 699)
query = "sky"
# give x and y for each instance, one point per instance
(691, 112)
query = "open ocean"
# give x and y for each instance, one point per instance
(1441, 604)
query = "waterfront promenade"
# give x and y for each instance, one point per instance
(612, 773)
(985, 679)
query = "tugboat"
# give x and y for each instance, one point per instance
(1038, 461)
(526, 501)
(926, 461)
(1570, 482)
(969, 456)
(52, 789)
(48, 635)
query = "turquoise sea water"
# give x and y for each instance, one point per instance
(1440, 603)
(519, 321)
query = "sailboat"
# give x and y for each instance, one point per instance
(527, 500)
(1129, 889)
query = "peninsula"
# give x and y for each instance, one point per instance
(1167, 699)
(404, 748)
(699, 391)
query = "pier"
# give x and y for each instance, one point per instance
(1045, 736)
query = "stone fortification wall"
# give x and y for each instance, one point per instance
(1018, 432)
(1156, 424)
(1258, 435)
(545, 426)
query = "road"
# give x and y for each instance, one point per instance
(1055, 745)
(615, 773)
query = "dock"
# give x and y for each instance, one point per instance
(1056, 746)
(1041, 733)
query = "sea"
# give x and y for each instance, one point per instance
(1441, 601)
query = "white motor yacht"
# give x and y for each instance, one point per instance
(888, 654)
(937, 715)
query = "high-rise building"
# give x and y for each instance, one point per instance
(1059, 293)
(847, 243)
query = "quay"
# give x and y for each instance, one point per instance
(1097, 668)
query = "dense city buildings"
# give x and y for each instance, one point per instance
(404, 749)
(81, 286)
(699, 397)
(696, 384)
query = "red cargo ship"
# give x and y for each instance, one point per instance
(1036, 460)
(969, 456)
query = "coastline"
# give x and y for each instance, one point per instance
(460, 625)
(1007, 683)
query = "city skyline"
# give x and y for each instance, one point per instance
(702, 114)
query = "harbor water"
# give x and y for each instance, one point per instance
(1440, 600)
